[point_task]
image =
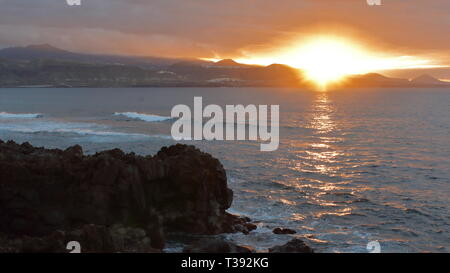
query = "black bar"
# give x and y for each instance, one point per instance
(260, 262)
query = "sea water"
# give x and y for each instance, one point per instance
(353, 166)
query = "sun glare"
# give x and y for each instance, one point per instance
(328, 59)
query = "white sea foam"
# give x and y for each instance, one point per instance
(6, 115)
(143, 117)
(67, 129)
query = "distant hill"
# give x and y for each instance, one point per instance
(229, 63)
(232, 73)
(34, 52)
(45, 51)
(373, 80)
(52, 67)
(427, 80)
(46, 65)
(378, 80)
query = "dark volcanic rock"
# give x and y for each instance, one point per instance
(293, 246)
(180, 189)
(91, 238)
(284, 231)
(215, 245)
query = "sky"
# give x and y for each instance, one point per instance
(227, 28)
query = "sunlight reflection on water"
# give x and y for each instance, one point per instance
(352, 167)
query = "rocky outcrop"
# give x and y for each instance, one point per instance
(90, 239)
(180, 189)
(216, 245)
(293, 246)
(283, 231)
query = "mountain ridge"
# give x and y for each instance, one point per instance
(427, 79)
(46, 65)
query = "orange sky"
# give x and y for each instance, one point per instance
(227, 28)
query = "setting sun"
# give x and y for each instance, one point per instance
(329, 59)
(326, 59)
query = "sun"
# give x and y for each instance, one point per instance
(329, 59)
(326, 59)
(323, 59)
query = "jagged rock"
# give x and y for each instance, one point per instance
(91, 239)
(293, 246)
(215, 245)
(284, 231)
(181, 189)
(127, 239)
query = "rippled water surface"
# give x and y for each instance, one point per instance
(353, 166)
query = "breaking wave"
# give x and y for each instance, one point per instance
(143, 117)
(6, 115)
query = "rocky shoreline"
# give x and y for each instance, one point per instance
(112, 201)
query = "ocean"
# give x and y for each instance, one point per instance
(353, 166)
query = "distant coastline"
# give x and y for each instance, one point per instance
(45, 66)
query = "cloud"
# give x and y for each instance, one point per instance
(203, 28)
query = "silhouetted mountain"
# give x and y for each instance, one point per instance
(51, 72)
(378, 80)
(373, 80)
(228, 63)
(45, 65)
(427, 80)
(34, 52)
(45, 51)
(232, 73)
